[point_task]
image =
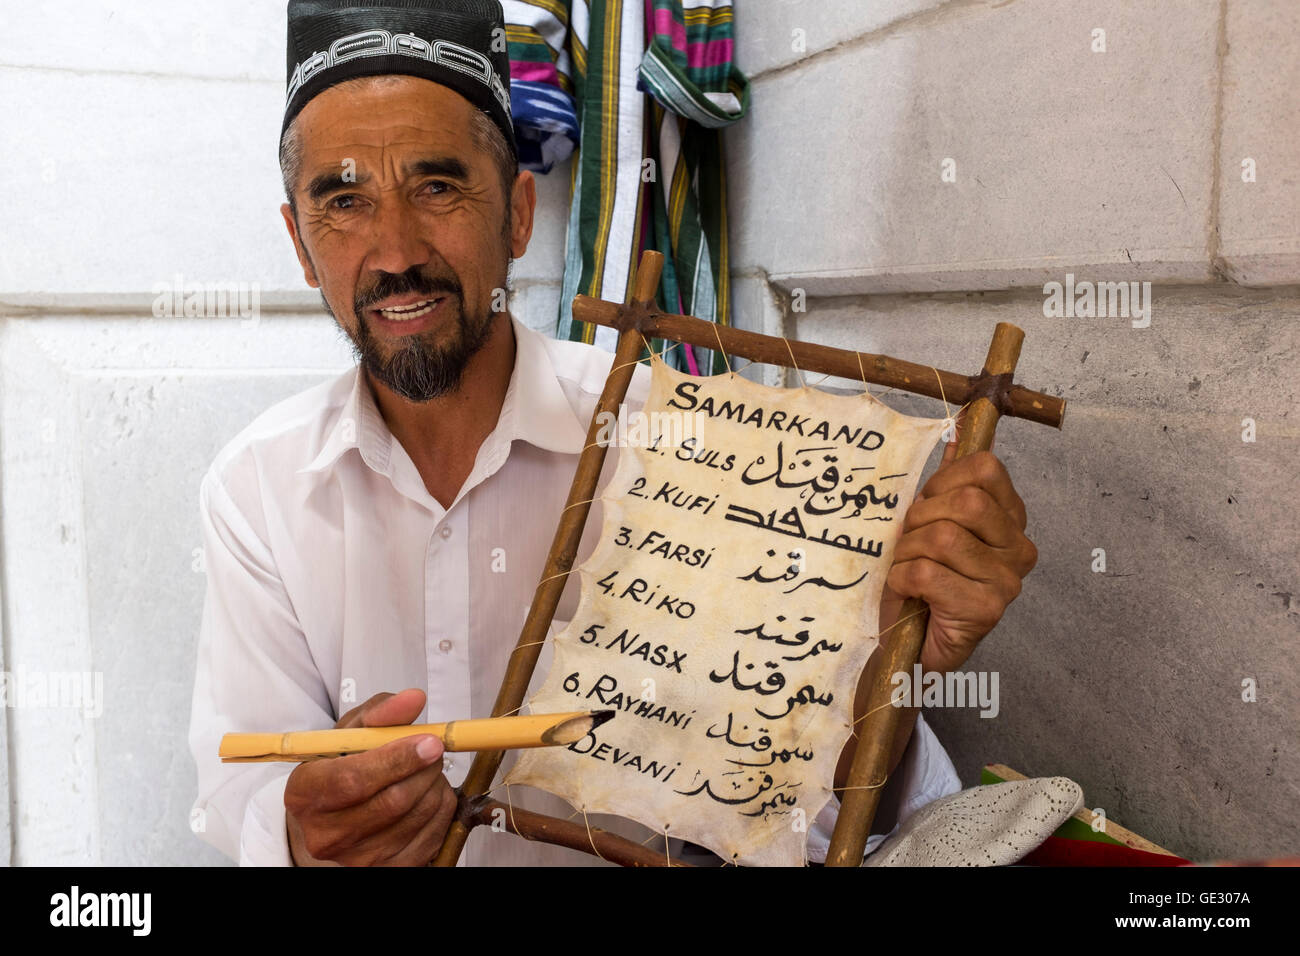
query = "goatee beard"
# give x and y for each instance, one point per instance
(421, 369)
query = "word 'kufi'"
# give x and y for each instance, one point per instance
(458, 43)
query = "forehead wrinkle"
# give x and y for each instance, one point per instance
(422, 125)
(373, 123)
(396, 152)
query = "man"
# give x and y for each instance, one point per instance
(386, 530)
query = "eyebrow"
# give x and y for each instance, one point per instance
(326, 184)
(448, 167)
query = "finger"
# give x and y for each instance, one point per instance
(391, 710)
(353, 717)
(395, 709)
(984, 470)
(948, 543)
(950, 448)
(333, 839)
(341, 782)
(961, 418)
(392, 820)
(969, 507)
(976, 604)
(428, 840)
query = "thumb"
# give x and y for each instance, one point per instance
(385, 710)
(400, 708)
(950, 449)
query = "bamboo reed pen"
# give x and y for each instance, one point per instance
(491, 733)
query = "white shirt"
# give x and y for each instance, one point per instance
(334, 575)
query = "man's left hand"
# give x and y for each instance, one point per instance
(962, 550)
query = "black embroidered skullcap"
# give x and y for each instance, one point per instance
(458, 43)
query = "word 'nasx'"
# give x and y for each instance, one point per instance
(1088, 300)
(102, 909)
(953, 689)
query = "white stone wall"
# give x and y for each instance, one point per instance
(142, 146)
(1125, 164)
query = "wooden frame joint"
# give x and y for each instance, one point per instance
(995, 388)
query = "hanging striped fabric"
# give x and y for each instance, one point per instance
(541, 82)
(697, 90)
(648, 174)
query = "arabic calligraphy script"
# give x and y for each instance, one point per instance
(728, 610)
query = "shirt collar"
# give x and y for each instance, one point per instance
(535, 410)
(359, 425)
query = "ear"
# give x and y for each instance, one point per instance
(523, 203)
(308, 270)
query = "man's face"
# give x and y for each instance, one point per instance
(402, 225)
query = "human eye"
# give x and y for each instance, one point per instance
(343, 202)
(436, 187)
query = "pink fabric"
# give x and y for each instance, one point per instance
(534, 72)
(665, 24)
(713, 53)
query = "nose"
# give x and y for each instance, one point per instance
(396, 243)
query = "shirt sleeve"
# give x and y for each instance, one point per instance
(926, 774)
(255, 672)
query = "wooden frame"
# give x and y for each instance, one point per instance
(990, 394)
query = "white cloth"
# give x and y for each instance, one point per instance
(334, 575)
(995, 825)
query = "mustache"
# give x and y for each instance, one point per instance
(402, 283)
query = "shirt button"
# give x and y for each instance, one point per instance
(448, 765)
(444, 646)
(446, 531)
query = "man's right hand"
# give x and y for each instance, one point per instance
(390, 806)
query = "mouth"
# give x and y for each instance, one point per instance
(406, 314)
